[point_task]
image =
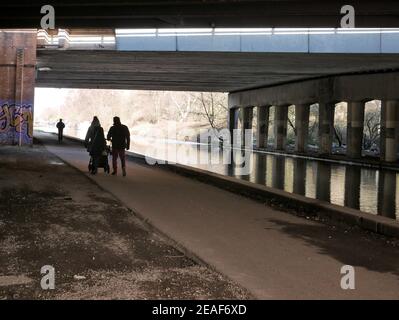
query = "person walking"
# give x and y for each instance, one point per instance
(60, 127)
(119, 136)
(90, 133)
(97, 147)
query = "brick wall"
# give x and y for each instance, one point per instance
(17, 84)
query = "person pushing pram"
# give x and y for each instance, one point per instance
(96, 145)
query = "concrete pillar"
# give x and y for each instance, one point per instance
(301, 126)
(17, 83)
(326, 127)
(355, 125)
(247, 117)
(299, 176)
(323, 181)
(386, 194)
(263, 127)
(389, 126)
(352, 187)
(280, 127)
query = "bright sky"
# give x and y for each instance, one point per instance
(49, 98)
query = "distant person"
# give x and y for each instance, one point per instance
(60, 127)
(90, 133)
(119, 135)
(97, 147)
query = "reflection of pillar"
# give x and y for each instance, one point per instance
(278, 172)
(247, 116)
(17, 82)
(299, 176)
(326, 127)
(232, 123)
(260, 168)
(280, 126)
(355, 125)
(323, 184)
(389, 126)
(386, 194)
(302, 127)
(263, 126)
(352, 186)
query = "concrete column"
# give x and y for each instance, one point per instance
(263, 127)
(280, 127)
(247, 116)
(352, 187)
(301, 126)
(326, 127)
(355, 125)
(17, 83)
(389, 126)
(386, 194)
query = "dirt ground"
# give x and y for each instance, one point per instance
(50, 214)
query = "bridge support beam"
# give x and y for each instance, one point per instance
(17, 82)
(389, 126)
(263, 127)
(355, 125)
(280, 127)
(326, 127)
(302, 127)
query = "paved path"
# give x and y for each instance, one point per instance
(272, 253)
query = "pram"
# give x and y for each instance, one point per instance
(102, 161)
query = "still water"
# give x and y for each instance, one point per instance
(366, 189)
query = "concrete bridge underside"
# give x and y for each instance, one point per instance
(197, 13)
(196, 71)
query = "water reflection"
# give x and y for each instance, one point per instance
(352, 186)
(387, 194)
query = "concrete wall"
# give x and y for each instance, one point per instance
(268, 40)
(17, 78)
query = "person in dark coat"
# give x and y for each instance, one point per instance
(120, 137)
(97, 147)
(60, 127)
(90, 133)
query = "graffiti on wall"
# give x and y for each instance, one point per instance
(16, 123)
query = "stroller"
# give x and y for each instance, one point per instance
(102, 161)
